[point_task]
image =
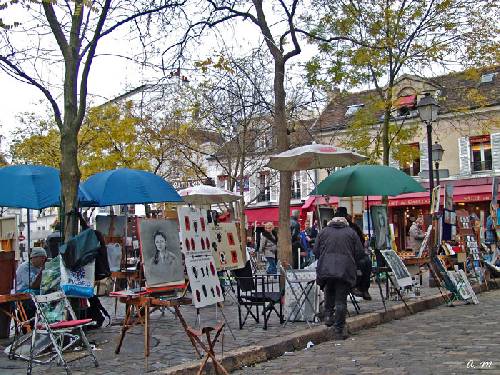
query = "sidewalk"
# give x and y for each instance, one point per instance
(170, 346)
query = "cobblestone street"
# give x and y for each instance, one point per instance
(447, 340)
(170, 345)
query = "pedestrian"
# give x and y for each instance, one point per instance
(295, 238)
(416, 235)
(338, 249)
(269, 247)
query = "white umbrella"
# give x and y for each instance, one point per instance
(314, 156)
(206, 195)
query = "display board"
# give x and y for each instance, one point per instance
(194, 234)
(161, 253)
(401, 274)
(462, 285)
(205, 285)
(226, 246)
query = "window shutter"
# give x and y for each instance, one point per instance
(495, 151)
(305, 184)
(273, 186)
(464, 155)
(252, 187)
(424, 159)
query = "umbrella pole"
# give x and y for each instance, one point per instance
(368, 215)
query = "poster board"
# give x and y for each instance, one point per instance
(462, 285)
(226, 246)
(401, 274)
(194, 234)
(205, 285)
(161, 254)
(380, 226)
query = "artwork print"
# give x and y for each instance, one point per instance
(448, 197)
(161, 253)
(380, 226)
(325, 215)
(111, 226)
(401, 274)
(194, 232)
(226, 246)
(436, 197)
(203, 279)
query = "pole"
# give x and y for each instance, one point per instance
(28, 237)
(437, 173)
(429, 157)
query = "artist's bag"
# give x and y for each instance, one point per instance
(80, 250)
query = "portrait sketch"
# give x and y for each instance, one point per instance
(403, 277)
(161, 253)
(380, 226)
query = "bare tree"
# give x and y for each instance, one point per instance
(27, 53)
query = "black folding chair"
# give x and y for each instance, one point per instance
(254, 291)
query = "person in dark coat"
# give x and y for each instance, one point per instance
(338, 249)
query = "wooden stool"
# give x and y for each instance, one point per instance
(196, 336)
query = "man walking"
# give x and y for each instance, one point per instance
(338, 249)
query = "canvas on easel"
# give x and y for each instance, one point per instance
(380, 226)
(161, 254)
(226, 246)
(401, 274)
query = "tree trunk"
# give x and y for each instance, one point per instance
(283, 144)
(70, 179)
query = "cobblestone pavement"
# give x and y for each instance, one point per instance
(170, 345)
(447, 340)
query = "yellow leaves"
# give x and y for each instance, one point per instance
(221, 63)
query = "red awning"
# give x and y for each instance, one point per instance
(319, 200)
(257, 217)
(406, 101)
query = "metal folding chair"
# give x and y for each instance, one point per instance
(56, 318)
(301, 299)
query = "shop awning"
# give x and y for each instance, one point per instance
(261, 215)
(406, 101)
(461, 194)
(319, 200)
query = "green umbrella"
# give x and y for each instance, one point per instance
(361, 180)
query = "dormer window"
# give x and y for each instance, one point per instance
(405, 104)
(352, 109)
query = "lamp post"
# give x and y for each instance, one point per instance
(427, 110)
(437, 156)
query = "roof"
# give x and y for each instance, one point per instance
(457, 91)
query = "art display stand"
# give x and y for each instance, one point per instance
(467, 239)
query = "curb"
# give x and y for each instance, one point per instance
(276, 347)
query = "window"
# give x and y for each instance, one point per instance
(263, 141)
(246, 184)
(352, 109)
(488, 77)
(480, 148)
(404, 104)
(412, 168)
(296, 185)
(222, 182)
(264, 192)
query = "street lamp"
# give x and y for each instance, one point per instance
(427, 111)
(437, 156)
(21, 227)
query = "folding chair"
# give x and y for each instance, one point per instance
(254, 291)
(50, 319)
(209, 347)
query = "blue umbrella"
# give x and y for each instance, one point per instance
(33, 186)
(128, 186)
(29, 186)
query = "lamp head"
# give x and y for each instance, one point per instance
(437, 152)
(428, 108)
